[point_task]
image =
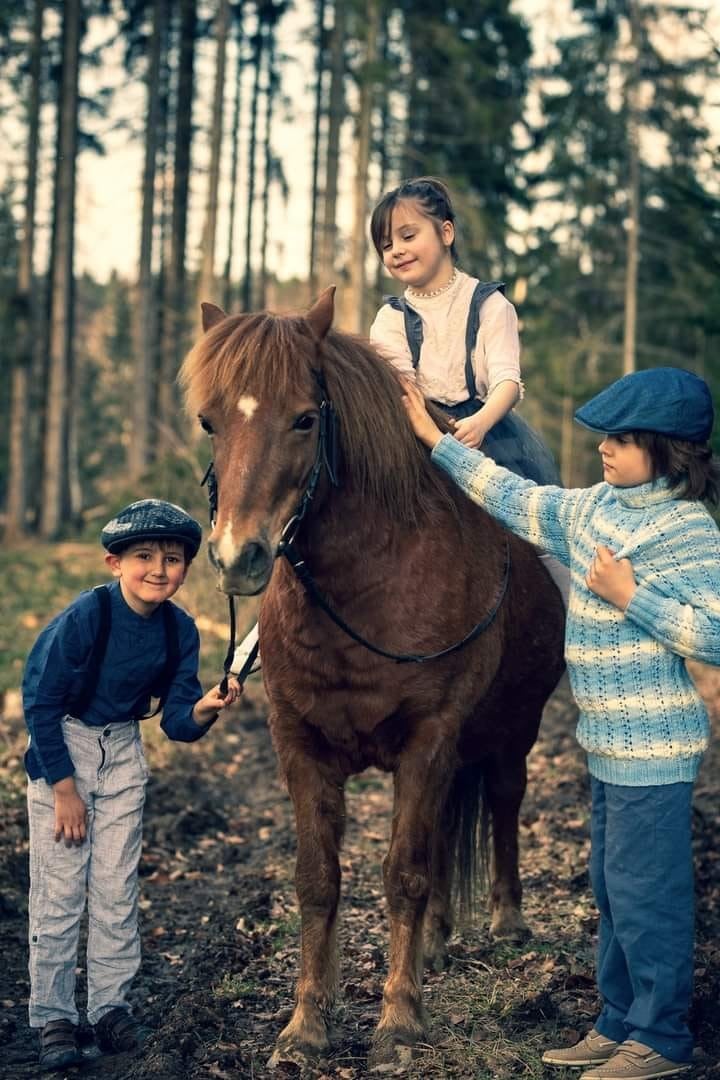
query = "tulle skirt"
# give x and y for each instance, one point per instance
(511, 443)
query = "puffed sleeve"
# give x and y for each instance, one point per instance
(498, 344)
(388, 334)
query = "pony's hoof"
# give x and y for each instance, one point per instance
(512, 930)
(391, 1053)
(293, 1054)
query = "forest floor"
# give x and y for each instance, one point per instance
(220, 927)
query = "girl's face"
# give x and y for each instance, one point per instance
(416, 250)
(625, 464)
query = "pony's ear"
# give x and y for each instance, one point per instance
(320, 315)
(211, 315)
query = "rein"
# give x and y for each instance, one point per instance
(326, 456)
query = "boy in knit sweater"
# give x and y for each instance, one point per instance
(87, 772)
(644, 560)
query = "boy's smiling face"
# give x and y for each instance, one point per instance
(149, 572)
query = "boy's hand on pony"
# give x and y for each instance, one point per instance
(211, 703)
(422, 423)
(610, 578)
(70, 813)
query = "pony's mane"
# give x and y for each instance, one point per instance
(270, 355)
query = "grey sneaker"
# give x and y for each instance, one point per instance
(635, 1061)
(594, 1049)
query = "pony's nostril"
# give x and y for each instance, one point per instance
(254, 559)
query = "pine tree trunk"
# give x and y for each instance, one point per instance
(26, 305)
(145, 330)
(336, 115)
(355, 317)
(174, 307)
(632, 239)
(270, 91)
(207, 286)
(259, 45)
(227, 273)
(317, 120)
(55, 501)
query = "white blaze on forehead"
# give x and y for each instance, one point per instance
(225, 547)
(247, 406)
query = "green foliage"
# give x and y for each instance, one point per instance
(469, 69)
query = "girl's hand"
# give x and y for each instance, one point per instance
(211, 703)
(422, 423)
(470, 431)
(70, 813)
(610, 578)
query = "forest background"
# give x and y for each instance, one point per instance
(580, 140)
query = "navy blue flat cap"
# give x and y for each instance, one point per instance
(151, 519)
(668, 400)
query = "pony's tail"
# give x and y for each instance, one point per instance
(467, 830)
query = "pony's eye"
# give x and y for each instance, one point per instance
(305, 422)
(206, 425)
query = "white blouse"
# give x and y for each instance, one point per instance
(441, 371)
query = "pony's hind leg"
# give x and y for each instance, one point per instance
(505, 783)
(319, 803)
(420, 782)
(437, 924)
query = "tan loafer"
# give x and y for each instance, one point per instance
(635, 1061)
(594, 1049)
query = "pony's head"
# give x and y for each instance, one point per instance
(262, 385)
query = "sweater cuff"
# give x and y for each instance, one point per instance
(452, 456)
(644, 609)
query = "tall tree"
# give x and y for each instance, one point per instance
(336, 115)
(26, 301)
(56, 492)
(175, 324)
(318, 110)
(147, 299)
(234, 166)
(603, 191)
(258, 49)
(367, 78)
(468, 66)
(206, 288)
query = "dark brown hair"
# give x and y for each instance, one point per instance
(690, 467)
(434, 201)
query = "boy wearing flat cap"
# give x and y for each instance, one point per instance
(88, 681)
(644, 559)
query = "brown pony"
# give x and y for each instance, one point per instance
(315, 459)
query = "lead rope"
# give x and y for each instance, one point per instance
(231, 648)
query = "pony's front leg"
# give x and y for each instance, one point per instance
(421, 782)
(319, 801)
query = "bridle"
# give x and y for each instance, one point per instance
(326, 457)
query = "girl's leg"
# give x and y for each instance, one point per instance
(649, 880)
(113, 952)
(612, 973)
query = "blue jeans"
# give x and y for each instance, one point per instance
(641, 871)
(110, 776)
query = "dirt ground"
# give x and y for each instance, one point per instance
(220, 924)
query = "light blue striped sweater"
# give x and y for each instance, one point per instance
(641, 720)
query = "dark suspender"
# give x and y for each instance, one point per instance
(414, 330)
(99, 647)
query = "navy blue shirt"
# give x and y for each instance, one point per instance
(129, 676)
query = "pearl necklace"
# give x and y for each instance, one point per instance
(435, 292)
